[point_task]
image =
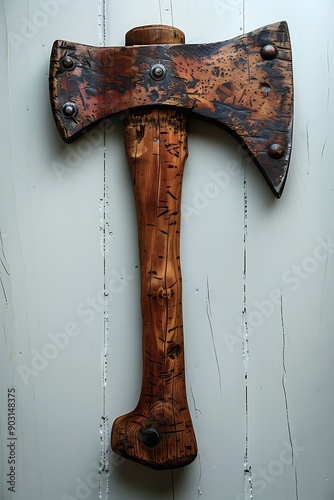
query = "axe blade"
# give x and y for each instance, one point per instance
(244, 84)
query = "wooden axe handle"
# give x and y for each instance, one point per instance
(159, 431)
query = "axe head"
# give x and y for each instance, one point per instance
(244, 84)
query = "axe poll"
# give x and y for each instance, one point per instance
(244, 85)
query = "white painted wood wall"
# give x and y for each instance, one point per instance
(258, 274)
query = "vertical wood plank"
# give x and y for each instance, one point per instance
(290, 269)
(50, 223)
(166, 12)
(205, 187)
(213, 273)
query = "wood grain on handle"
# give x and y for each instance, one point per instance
(159, 431)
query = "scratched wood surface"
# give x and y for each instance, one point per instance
(257, 274)
(157, 148)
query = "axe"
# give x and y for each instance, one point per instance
(244, 85)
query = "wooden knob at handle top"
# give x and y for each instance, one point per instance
(159, 431)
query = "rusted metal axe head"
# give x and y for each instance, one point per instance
(244, 85)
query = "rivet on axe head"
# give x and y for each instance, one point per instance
(244, 85)
(69, 109)
(276, 151)
(269, 52)
(158, 71)
(68, 63)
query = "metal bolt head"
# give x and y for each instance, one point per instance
(150, 437)
(276, 151)
(68, 63)
(269, 52)
(69, 109)
(158, 71)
